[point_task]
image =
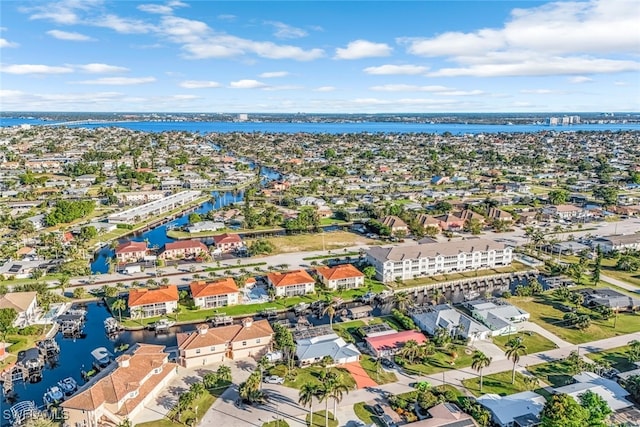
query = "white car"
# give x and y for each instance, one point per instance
(273, 379)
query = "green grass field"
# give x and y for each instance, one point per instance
(318, 420)
(535, 342)
(499, 384)
(618, 358)
(441, 360)
(311, 375)
(556, 373)
(380, 377)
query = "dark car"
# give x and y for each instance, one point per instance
(387, 363)
(378, 410)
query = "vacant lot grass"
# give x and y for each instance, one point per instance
(381, 376)
(499, 384)
(535, 342)
(556, 374)
(311, 375)
(442, 360)
(335, 240)
(545, 311)
(626, 276)
(349, 330)
(618, 358)
(318, 419)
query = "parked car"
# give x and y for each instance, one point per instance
(273, 379)
(388, 421)
(387, 363)
(378, 409)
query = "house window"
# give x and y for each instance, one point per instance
(213, 349)
(244, 343)
(133, 394)
(157, 370)
(197, 351)
(258, 341)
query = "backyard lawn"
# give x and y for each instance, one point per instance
(618, 358)
(442, 360)
(534, 342)
(499, 384)
(545, 311)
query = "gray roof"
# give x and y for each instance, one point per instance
(444, 316)
(506, 408)
(325, 345)
(609, 390)
(621, 239)
(431, 250)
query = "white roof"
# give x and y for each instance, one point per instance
(325, 345)
(609, 390)
(506, 408)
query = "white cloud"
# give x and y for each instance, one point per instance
(363, 49)
(200, 42)
(384, 70)
(247, 84)
(284, 31)
(118, 81)
(325, 89)
(536, 41)
(580, 79)
(621, 83)
(6, 43)
(97, 68)
(409, 88)
(156, 8)
(183, 97)
(71, 36)
(226, 17)
(35, 69)
(199, 84)
(123, 25)
(283, 87)
(273, 74)
(542, 91)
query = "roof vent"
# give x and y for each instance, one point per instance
(202, 329)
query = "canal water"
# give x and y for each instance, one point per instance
(75, 354)
(157, 236)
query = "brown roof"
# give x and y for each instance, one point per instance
(224, 286)
(120, 381)
(290, 278)
(19, 301)
(151, 296)
(393, 222)
(226, 238)
(185, 244)
(131, 247)
(223, 334)
(343, 271)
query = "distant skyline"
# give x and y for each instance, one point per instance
(320, 56)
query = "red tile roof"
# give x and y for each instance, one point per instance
(185, 244)
(207, 337)
(131, 247)
(393, 341)
(224, 286)
(227, 238)
(139, 297)
(344, 271)
(290, 278)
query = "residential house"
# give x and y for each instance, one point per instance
(24, 303)
(515, 410)
(122, 390)
(153, 302)
(203, 226)
(609, 390)
(500, 318)
(344, 276)
(609, 298)
(618, 242)
(131, 252)
(218, 293)
(427, 221)
(565, 212)
(387, 345)
(313, 345)
(456, 323)
(411, 261)
(291, 283)
(183, 249)
(468, 215)
(395, 224)
(446, 414)
(228, 242)
(450, 222)
(499, 214)
(210, 345)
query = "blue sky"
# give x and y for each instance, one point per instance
(304, 56)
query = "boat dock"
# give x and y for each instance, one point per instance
(221, 319)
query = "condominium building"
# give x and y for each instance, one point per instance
(409, 262)
(154, 208)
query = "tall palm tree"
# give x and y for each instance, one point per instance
(330, 310)
(119, 305)
(307, 393)
(337, 392)
(513, 352)
(410, 351)
(224, 373)
(403, 300)
(479, 362)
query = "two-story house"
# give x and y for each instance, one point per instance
(153, 302)
(122, 390)
(227, 242)
(218, 293)
(183, 249)
(344, 276)
(210, 345)
(131, 252)
(291, 283)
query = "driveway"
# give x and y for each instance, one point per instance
(359, 375)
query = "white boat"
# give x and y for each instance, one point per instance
(163, 324)
(102, 358)
(68, 386)
(111, 325)
(54, 395)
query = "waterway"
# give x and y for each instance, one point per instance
(75, 354)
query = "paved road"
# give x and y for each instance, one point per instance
(620, 283)
(284, 399)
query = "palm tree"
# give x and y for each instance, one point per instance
(403, 300)
(479, 362)
(119, 305)
(330, 310)
(210, 380)
(410, 351)
(197, 388)
(305, 397)
(514, 351)
(634, 351)
(224, 373)
(336, 391)
(184, 401)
